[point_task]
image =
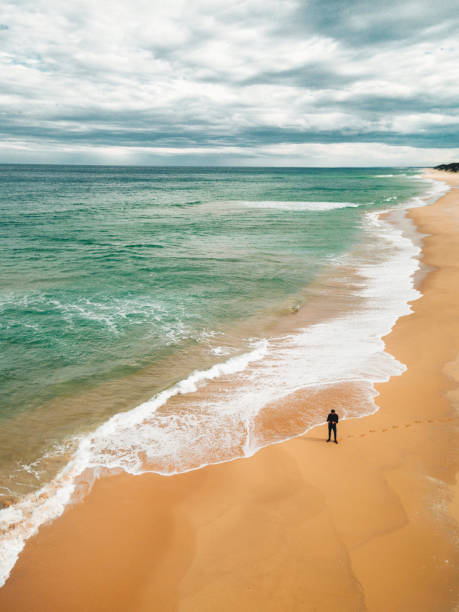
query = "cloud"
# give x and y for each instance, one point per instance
(197, 80)
(358, 23)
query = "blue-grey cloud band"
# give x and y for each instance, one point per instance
(253, 81)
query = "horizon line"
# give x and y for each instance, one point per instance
(203, 166)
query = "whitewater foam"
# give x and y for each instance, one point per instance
(299, 206)
(22, 520)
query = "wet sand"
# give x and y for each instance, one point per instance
(368, 524)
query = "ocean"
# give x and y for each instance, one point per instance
(163, 319)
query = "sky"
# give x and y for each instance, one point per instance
(249, 82)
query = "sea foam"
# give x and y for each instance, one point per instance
(300, 206)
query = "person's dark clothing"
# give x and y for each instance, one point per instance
(332, 420)
(331, 427)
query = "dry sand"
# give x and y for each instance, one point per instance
(369, 524)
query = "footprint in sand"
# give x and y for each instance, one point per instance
(406, 425)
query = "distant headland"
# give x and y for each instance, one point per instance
(454, 167)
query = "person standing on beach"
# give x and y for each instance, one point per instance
(332, 420)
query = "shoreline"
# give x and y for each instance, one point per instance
(354, 286)
(292, 411)
(265, 532)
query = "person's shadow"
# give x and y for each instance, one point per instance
(306, 438)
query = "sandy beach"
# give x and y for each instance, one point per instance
(368, 524)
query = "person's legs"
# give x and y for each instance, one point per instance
(334, 431)
(329, 431)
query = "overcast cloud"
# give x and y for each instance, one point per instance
(318, 82)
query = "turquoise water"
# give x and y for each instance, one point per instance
(106, 269)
